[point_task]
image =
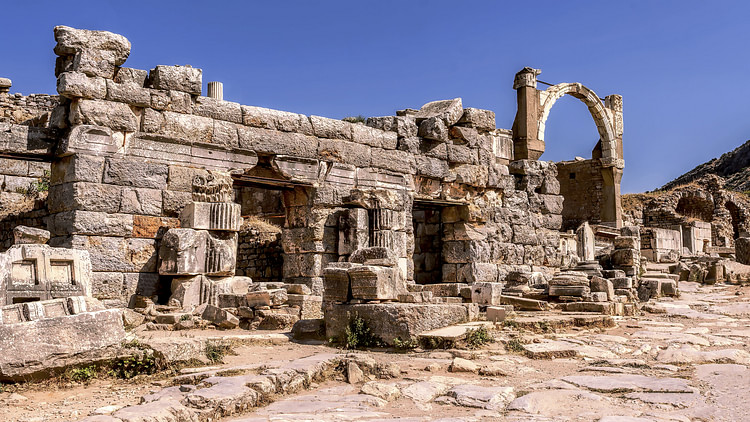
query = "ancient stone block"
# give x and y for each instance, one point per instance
(129, 93)
(127, 75)
(273, 297)
(624, 257)
(187, 127)
(374, 256)
(71, 41)
(77, 168)
(135, 173)
(602, 285)
(42, 347)
(496, 314)
(189, 252)
(447, 111)
(91, 223)
(274, 142)
(627, 242)
(114, 115)
(400, 161)
(284, 121)
(742, 250)
(397, 320)
(336, 285)
(23, 235)
(220, 317)
(212, 216)
(77, 85)
(310, 305)
(352, 230)
(178, 78)
(486, 293)
(345, 152)
(40, 272)
(558, 290)
(478, 118)
(218, 109)
(376, 283)
(433, 128)
(373, 137)
(324, 127)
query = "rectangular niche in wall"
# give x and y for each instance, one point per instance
(428, 244)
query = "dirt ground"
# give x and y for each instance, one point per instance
(687, 362)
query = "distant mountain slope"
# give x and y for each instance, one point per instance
(733, 166)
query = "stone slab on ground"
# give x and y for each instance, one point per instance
(625, 383)
(550, 350)
(39, 348)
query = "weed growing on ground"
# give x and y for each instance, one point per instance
(215, 352)
(478, 338)
(408, 344)
(514, 345)
(81, 375)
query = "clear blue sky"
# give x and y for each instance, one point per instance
(681, 66)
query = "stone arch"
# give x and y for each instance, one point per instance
(696, 207)
(734, 218)
(598, 112)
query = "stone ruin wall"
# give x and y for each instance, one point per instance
(136, 139)
(582, 185)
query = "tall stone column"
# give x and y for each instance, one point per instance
(526, 143)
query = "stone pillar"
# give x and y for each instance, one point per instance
(5, 85)
(611, 208)
(526, 143)
(216, 90)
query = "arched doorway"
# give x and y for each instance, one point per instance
(582, 203)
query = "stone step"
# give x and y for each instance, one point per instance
(454, 333)
(650, 275)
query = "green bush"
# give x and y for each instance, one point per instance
(359, 336)
(408, 344)
(478, 337)
(142, 362)
(514, 345)
(83, 375)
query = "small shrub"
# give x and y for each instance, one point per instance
(41, 184)
(408, 344)
(359, 336)
(215, 352)
(82, 375)
(514, 345)
(143, 362)
(510, 323)
(355, 119)
(478, 338)
(431, 343)
(186, 317)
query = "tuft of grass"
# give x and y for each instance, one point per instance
(514, 345)
(215, 352)
(359, 336)
(407, 344)
(510, 323)
(355, 119)
(186, 317)
(81, 375)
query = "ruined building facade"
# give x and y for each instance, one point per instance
(455, 199)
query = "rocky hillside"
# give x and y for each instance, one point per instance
(733, 166)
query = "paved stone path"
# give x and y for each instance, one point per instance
(687, 363)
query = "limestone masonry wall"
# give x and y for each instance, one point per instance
(136, 139)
